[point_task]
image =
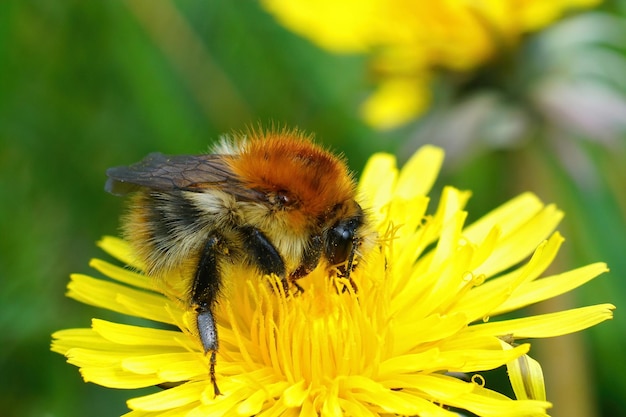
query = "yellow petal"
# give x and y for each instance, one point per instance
(330, 406)
(173, 367)
(344, 26)
(478, 360)
(294, 395)
(487, 298)
(352, 407)
(419, 173)
(396, 101)
(548, 325)
(408, 215)
(439, 327)
(253, 404)
(63, 340)
(377, 182)
(114, 377)
(516, 244)
(119, 298)
(122, 274)
(91, 358)
(126, 334)
(119, 249)
(526, 377)
(364, 389)
(170, 398)
(489, 404)
(509, 216)
(550, 287)
(405, 363)
(436, 385)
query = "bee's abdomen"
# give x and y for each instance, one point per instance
(165, 230)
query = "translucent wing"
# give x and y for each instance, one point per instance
(180, 172)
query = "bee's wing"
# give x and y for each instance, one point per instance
(181, 172)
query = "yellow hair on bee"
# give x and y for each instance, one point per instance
(138, 229)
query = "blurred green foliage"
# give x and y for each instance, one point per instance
(88, 85)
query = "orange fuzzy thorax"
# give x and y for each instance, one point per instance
(287, 161)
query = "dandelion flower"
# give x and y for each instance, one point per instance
(408, 41)
(427, 307)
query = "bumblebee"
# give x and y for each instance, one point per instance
(269, 200)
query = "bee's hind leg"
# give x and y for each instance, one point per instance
(206, 287)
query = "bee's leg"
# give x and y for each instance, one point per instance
(350, 266)
(345, 269)
(310, 259)
(206, 286)
(264, 255)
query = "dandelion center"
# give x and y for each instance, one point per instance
(310, 338)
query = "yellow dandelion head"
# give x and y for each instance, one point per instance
(423, 308)
(409, 42)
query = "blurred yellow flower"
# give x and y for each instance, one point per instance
(425, 310)
(408, 40)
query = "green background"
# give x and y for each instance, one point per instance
(89, 85)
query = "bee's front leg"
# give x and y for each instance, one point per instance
(310, 260)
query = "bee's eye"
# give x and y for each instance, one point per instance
(339, 241)
(284, 198)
